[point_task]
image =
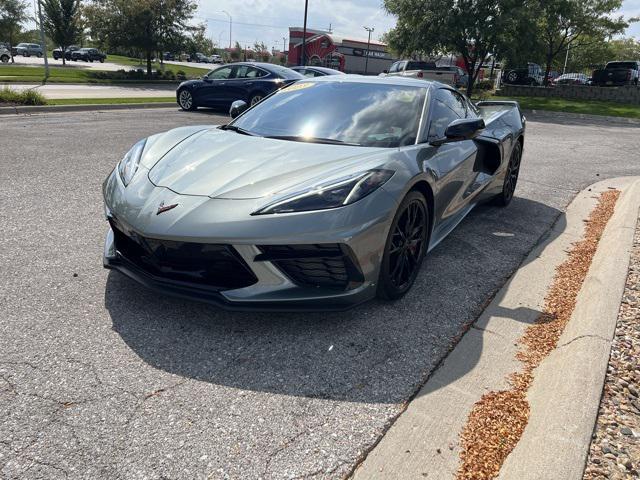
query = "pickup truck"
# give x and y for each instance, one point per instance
(617, 73)
(426, 71)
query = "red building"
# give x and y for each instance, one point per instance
(325, 49)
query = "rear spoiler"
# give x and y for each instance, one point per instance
(500, 103)
(505, 104)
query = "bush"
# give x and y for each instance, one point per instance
(138, 74)
(181, 75)
(24, 97)
(483, 85)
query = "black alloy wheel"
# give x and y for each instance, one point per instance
(511, 176)
(406, 247)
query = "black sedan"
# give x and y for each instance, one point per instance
(247, 81)
(309, 72)
(57, 53)
(88, 55)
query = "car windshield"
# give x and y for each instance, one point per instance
(363, 114)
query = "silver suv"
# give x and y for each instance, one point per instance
(28, 49)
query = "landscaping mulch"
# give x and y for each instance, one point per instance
(615, 448)
(498, 419)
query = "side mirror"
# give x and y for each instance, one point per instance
(461, 129)
(385, 71)
(237, 108)
(205, 79)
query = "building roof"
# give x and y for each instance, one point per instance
(336, 38)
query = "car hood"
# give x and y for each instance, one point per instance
(225, 164)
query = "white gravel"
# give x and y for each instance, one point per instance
(615, 448)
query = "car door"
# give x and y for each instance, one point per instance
(247, 82)
(452, 164)
(213, 91)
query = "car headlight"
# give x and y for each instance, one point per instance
(129, 164)
(333, 194)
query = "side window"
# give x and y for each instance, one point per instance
(394, 67)
(446, 107)
(220, 74)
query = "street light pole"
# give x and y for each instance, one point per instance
(304, 34)
(230, 26)
(366, 60)
(43, 41)
(284, 44)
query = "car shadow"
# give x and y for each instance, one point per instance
(379, 352)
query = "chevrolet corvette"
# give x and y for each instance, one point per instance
(323, 195)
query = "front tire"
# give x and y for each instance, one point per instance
(255, 98)
(511, 177)
(405, 248)
(185, 100)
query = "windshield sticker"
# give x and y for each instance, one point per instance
(297, 86)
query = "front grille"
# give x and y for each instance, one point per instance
(317, 265)
(209, 265)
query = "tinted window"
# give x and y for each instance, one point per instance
(247, 71)
(367, 114)
(446, 108)
(420, 66)
(394, 67)
(220, 74)
(630, 65)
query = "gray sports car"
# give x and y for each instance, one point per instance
(323, 195)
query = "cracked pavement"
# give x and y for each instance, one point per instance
(100, 378)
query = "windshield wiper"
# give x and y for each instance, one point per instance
(233, 128)
(300, 138)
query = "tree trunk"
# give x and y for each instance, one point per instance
(547, 71)
(149, 71)
(64, 53)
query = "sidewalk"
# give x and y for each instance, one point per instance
(424, 441)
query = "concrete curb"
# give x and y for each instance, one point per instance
(566, 391)
(21, 110)
(423, 441)
(581, 116)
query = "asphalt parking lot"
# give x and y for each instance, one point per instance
(100, 378)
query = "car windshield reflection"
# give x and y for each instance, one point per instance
(351, 113)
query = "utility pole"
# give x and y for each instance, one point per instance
(284, 44)
(566, 59)
(366, 60)
(304, 34)
(43, 42)
(230, 25)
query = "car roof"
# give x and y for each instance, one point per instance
(320, 69)
(391, 80)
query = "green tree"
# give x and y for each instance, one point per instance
(61, 21)
(197, 40)
(471, 28)
(147, 26)
(569, 24)
(13, 13)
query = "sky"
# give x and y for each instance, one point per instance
(268, 20)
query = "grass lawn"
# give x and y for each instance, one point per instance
(108, 101)
(59, 74)
(590, 107)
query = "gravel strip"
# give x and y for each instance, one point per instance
(498, 419)
(615, 448)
